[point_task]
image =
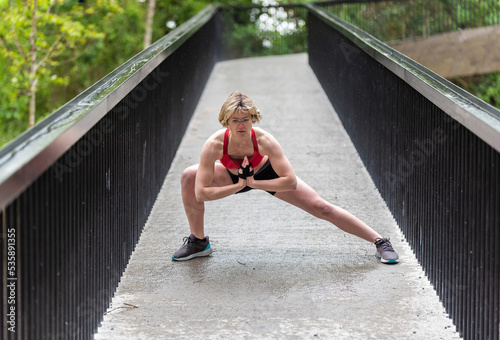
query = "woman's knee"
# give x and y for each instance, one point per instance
(188, 177)
(325, 210)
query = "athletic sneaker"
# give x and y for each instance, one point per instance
(385, 251)
(192, 248)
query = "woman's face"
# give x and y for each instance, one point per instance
(240, 122)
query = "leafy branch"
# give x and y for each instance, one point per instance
(36, 39)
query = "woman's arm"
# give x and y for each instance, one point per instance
(203, 189)
(287, 180)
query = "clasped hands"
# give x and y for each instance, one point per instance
(245, 171)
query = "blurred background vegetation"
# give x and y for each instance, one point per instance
(51, 50)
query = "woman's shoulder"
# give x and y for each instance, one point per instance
(217, 136)
(214, 144)
(261, 133)
(264, 139)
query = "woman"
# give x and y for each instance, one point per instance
(251, 158)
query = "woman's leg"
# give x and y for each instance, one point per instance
(309, 200)
(195, 210)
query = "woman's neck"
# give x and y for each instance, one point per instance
(240, 140)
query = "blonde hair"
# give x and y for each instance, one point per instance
(237, 102)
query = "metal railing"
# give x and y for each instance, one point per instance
(432, 150)
(76, 190)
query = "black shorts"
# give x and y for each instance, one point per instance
(264, 173)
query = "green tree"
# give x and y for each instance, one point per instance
(76, 44)
(104, 55)
(37, 36)
(51, 50)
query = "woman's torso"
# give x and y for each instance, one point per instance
(232, 156)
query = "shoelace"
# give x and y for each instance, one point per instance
(187, 240)
(386, 245)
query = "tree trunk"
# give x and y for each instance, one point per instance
(32, 108)
(33, 67)
(148, 34)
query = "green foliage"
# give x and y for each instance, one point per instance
(79, 43)
(172, 13)
(76, 44)
(245, 32)
(12, 118)
(37, 38)
(123, 31)
(486, 87)
(264, 31)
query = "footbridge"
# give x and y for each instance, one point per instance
(91, 206)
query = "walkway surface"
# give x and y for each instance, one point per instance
(276, 272)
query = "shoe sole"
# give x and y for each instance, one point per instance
(390, 261)
(203, 253)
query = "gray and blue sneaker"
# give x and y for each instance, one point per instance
(192, 248)
(385, 251)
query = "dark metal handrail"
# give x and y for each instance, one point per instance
(475, 114)
(76, 190)
(432, 150)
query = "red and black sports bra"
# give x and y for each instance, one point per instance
(230, 163)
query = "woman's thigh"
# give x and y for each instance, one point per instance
(304, 197)
(221, 176)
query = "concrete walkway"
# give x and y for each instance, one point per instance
(276, 272)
